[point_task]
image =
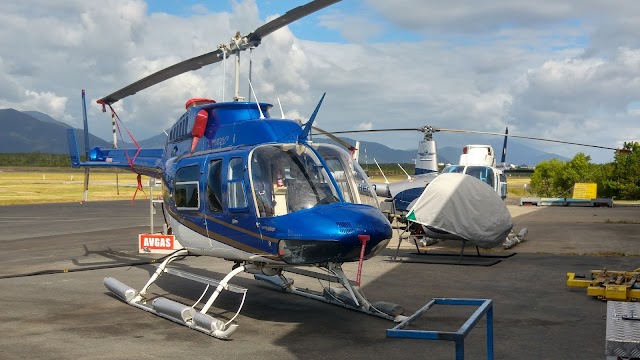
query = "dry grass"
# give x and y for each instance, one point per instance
(52, 186)
(515, 187)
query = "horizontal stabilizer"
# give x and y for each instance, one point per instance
(143, 161)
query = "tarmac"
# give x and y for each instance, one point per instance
(51, 314)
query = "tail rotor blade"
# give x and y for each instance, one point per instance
(504, 146)
(86, 147)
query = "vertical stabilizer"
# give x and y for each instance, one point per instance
(427, 157)
(504, 146)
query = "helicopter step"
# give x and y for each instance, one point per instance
(316, 275)
(350, 297)
(178, 312)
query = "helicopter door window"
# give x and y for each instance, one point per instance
(453, 169)
(503, 186)
(214, 186)
(236, 197)
(483, 173)
(187, 196)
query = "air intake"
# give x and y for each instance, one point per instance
(345, 227)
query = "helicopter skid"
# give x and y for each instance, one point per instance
(183, 314)
(350, 296)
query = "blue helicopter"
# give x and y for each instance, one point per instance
(243, 186)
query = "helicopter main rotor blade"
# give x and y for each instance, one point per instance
(162, 75)
(525, 137)
(249, 41)
(289, 17)
(375, 130)
(334, 138)
(428, 128)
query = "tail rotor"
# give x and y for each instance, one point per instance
(86, 148)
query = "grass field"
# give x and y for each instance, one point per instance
(51, 185)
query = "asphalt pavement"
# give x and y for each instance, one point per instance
(48, 313)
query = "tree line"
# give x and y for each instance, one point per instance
(35, 160)
(619, 179)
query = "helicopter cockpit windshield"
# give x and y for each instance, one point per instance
(286, 178)
(351, 178)
(483, 173)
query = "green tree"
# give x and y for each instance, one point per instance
(556, 178)
(623, 181)
(544, 180)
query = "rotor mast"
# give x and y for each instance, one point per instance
(237, 44)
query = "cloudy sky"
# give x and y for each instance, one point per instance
(567, 70)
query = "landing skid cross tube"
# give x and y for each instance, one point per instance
(350, 297)
(180, 313)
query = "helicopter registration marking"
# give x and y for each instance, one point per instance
(157, 243)
(220, 141)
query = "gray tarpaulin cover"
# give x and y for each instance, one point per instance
(465, 206)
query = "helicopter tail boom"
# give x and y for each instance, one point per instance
(141, 161)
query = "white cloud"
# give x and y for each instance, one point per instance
(567, 70)
(364, 126)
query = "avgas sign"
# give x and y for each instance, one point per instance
(157, 244)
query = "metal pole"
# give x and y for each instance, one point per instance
(490, 333)
(236, 96)
(115, 146)
(150, 207)
(224, 71)
(250, 65)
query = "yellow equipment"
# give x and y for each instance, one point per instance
(609, 285)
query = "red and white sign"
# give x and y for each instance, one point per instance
(157, 244)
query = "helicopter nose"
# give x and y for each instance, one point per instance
(334, 232)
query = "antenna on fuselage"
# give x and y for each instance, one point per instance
(257, 103)
(386, 181)
(279, 104)
(408, 177)
(281, 111)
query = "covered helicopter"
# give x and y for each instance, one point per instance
(243, 186)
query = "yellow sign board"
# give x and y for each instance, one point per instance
(585, 191)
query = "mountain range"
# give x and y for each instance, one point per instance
(33, 131)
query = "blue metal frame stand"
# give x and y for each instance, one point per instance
(485, 306)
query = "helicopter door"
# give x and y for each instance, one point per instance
(187, 201)
(213, 198)
(229, 215)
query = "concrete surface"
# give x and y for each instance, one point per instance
(72, 316)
